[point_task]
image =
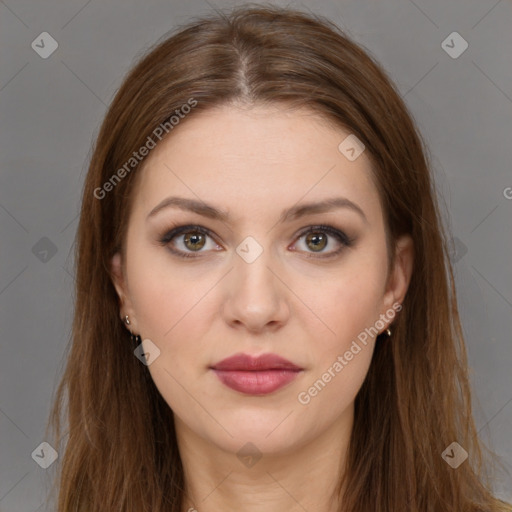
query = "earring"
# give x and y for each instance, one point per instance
(136, 339)
(388, 332)
(126, 320)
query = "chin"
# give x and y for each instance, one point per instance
(267, 432)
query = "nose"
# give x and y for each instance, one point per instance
(257, 298)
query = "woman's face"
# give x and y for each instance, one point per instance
(254, 274)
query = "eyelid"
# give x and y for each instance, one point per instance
(331, 230)
(178, 229)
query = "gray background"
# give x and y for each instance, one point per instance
(52, 108)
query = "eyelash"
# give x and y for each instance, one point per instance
(342, 237)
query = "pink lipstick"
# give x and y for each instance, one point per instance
(256, 375)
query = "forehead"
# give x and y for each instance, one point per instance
(254, 158)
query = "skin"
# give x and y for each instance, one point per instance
(252, 163)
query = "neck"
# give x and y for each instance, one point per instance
(302, 478)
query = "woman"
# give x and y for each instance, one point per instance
(265, 310)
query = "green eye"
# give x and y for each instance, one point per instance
(317, 238)
(194, 239)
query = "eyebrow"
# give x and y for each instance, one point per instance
(206, 210)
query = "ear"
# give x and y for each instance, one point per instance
(119, 281)
(400, 275)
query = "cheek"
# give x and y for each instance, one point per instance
(158, 304)
(175, 310)
(349, 303)
(341, 365)
(162, 294)
(169, 309)
(332, 389)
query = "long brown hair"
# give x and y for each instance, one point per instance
(121, 453)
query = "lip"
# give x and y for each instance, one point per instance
(256, 375)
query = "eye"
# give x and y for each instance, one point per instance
(317, 238)
(184, 241)
(190, 239)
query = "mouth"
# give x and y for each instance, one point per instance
(256, 375)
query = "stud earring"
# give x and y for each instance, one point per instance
(388, 332)
(127, 320)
